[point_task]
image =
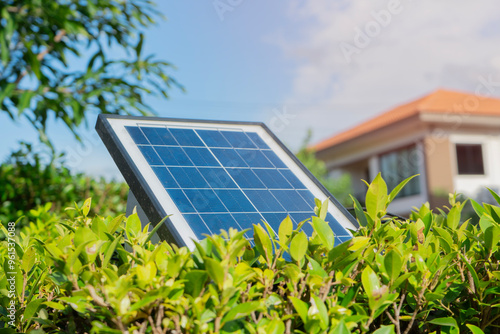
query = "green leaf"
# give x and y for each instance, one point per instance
(376, 197)
(146, 273)
(453, 218)
(398, 188)
(110, 251)
(195, 280)
(392, 263)
(324, 232)
(360, 214)
(322, 311)
(446, 322)
(240, 311)
(491, 238)
(385, 330)
(55, 306)
(324, 210)
(133, 225)
(263, 243)
(285, 229)
(298, 246)
(370, 281)
(138, 48)
(215, 271)
(153, 231)
(341, 328)
(495, 195)
(28, 260)
(477, 207)
(32, 308)
(475, 329)
(301, 307)
(275, 326)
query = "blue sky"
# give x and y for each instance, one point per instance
(320, 64)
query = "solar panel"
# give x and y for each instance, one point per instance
(211, 175)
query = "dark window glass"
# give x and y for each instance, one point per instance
(399, 165)
(470, 159)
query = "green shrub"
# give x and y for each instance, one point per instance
(429, 274)
(30, 179)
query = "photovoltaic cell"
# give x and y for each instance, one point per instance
(227, 177)
(137, 135)
(213, 138)
(166, 179)
(229, 157)
(159, 136)
(173, 156)
(186, 137)
(219, 178)
(150, 155)
(188, 177)
(272, 178)
(201, 156)
(181, 201)
(238, 139)
(271, 156)
(264, 201)
(246, 178)
(257, 140)
(254, 158)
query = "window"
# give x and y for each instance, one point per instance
(399, 165)
(470, 159)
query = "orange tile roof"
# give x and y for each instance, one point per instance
(440, 101)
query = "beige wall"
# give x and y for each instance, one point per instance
(439, 169)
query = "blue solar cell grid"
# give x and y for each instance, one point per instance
(220, 179)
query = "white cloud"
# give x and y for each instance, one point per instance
(423, 45)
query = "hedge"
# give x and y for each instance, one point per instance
(431, 273)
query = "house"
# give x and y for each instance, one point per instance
(452, 139)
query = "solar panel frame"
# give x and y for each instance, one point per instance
(156, 201)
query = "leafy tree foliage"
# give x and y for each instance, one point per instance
(58, 60)
(30, 179)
